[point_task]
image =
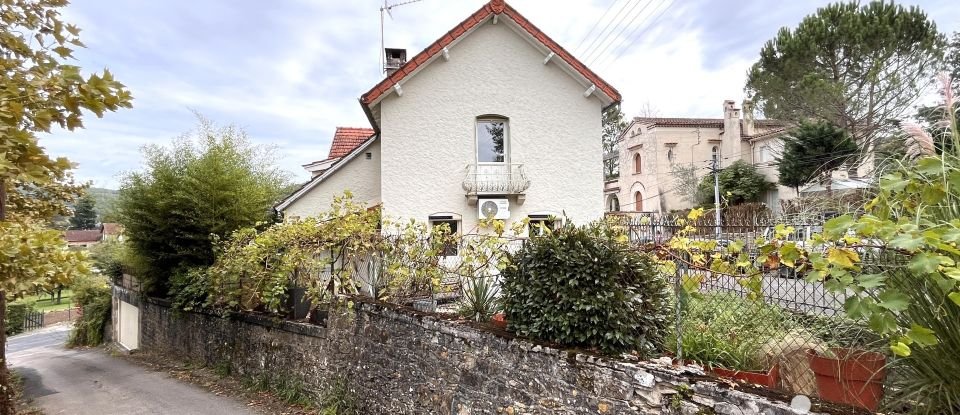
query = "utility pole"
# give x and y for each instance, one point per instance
(716, 192)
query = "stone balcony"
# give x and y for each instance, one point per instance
(495, 179)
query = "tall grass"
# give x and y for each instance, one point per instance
(928, 380)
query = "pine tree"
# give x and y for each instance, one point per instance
(811, 151)
(84, 214)
(856, 67)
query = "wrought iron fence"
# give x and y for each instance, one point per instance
(32, 320)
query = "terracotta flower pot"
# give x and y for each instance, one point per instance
(769, 378)
(499, 320)
(853, 377)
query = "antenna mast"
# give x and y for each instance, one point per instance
(386, 8)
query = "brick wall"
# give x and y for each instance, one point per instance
(400, 362)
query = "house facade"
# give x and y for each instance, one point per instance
(654, 153)
(494, 119)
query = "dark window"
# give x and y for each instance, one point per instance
(538, 222)
(491, 141)
(453, 226)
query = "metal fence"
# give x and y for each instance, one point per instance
(32, 320)
(761, 339)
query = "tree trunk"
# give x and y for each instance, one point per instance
(6, 401)
(59, 293)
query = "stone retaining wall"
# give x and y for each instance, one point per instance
(398, 361)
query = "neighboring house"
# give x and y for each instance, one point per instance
(80, 239)
(494, 118)
(652, 149)
(345, 139)
(88, 237)
(113, 231)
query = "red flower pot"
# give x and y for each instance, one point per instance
(769, 378)
(499, 320)
(853, 377)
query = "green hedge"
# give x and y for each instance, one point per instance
(93, 295)
(16, 315)
(585, 287)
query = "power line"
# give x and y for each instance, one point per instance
(610, 7)
(607, 26)
(611, 37)
(619, 39)
(648, 27)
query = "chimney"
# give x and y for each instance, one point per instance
(395, 58)
(730, 146)
(748, 128)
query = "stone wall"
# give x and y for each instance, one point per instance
(398, 361)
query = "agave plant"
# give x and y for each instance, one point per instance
(480, 300)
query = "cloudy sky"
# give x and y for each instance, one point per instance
(290, 71)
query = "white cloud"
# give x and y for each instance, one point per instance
(291, 72)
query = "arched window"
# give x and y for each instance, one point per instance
(715, 153)
(613, 204)
(670, 155)
(493, 139)
(638, 202)
(637, 164)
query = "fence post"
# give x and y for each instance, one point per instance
(677, 288)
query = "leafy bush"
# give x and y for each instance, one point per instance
(329, 255)
(583, 286)
(728, 331)
(16, 316)
(92, 294)
(189, 289)
(202, 187)
(107, 256)
(740, 182)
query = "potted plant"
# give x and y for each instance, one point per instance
(769, 378)
(849, 376)
(499, 320)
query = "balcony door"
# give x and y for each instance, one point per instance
(493, 154)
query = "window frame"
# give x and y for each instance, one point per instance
(506, 138)
(637, 201)
(455, 222)
(549, 220)
(637, 163)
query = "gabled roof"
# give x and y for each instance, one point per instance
(326, 173)
(765, 134)
(702, 122)
(88, 235)
(345, 139)
(493, 8)
(111, 229)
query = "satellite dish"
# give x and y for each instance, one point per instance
(489, 209)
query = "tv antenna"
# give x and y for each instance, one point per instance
(386, 8)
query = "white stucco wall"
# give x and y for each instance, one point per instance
(428, 133)
(359, 175)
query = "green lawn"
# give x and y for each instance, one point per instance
(44, 303)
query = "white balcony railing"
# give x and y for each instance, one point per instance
(499, 178)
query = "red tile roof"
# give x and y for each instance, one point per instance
(111, 229)
(91, 235)
(346, 139)
(491, 8)
(703, 122)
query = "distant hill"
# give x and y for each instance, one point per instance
(106, 200)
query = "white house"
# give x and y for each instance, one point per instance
(494, 118)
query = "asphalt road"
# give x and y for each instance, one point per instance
(81, 382)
